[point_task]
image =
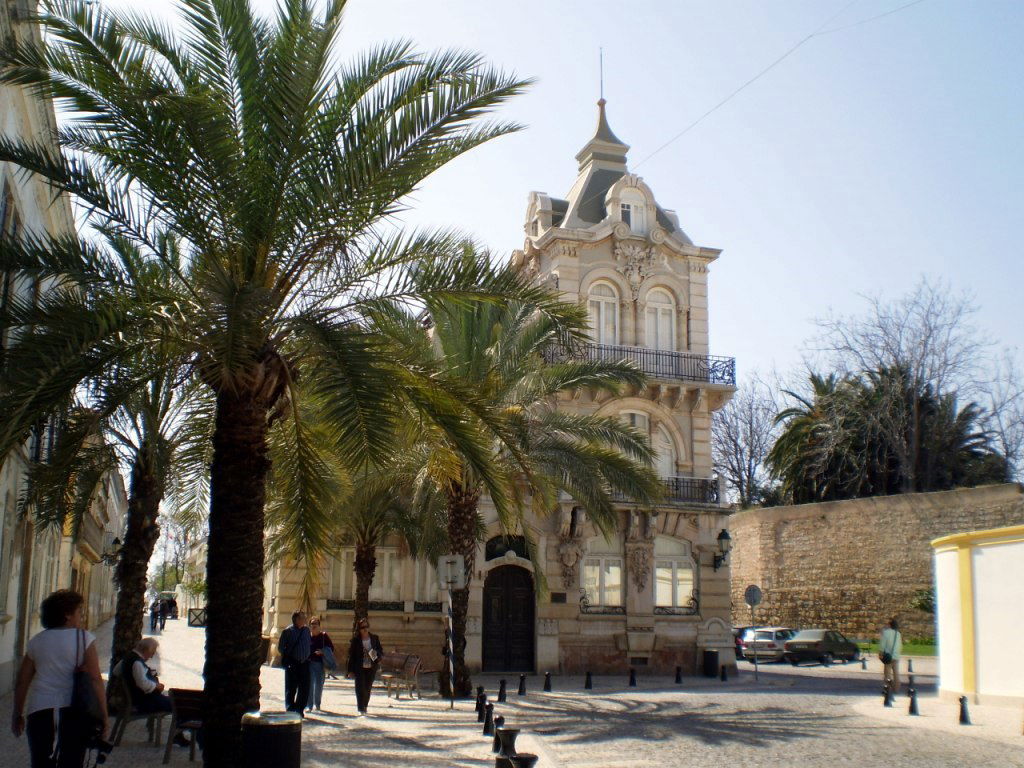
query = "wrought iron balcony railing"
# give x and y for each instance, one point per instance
(657, 363)
(693, 490)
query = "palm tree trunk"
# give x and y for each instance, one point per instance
(366, 567)
(234, 573)
(462, 527)
(141, 533)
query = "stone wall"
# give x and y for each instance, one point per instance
(853, 564)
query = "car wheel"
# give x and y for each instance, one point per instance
(794, 662)
(827, 659)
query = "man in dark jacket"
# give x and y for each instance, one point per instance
(294, 645)
(364, 655)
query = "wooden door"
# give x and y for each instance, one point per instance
(509, 606)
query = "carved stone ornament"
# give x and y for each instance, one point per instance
(570, 550)
(634, 262)
(639, 564)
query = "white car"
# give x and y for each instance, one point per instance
(768, 643)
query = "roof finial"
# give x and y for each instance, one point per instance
(600, 59)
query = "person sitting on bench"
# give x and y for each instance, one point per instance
(146, 690)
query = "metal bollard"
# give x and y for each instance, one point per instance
(910, 666)
(965, 717)
(913, 702)
(522, 685)
(489, 720)
(886, 696)
(725, 673)
(502, 694)
(632, 678)
(499, 721)
(503, 762)
(589, 684)
(507, 741)
(479, 699)
(483, 708)
(679, 675)
(523, 760)
(910, 684)
(863, 662)
(547, 682)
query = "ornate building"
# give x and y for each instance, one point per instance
(656, 594)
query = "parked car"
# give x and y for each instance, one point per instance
(737, 636)
(821, 645)
(767, 643)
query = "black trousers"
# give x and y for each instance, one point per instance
(296, 687)
(153, 702)
(70, 747)
(364, 684)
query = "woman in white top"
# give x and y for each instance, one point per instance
(46, 681)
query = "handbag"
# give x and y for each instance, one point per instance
(885, 657)
(84, 701)
(329, 660)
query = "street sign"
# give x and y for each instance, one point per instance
(451, 571)
(752, 596)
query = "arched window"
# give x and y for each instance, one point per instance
(660, 316)
(603, 306)
(633, 209)
(602, 572)
(664, 452)
(674, 585)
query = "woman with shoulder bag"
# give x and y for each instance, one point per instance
(60, 679)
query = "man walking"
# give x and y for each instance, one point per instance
(889, 650)
(364, 655)
(294, 646)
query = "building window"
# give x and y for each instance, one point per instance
(602, 573)
(534, 227)
(633, 208)
(666, 456)
(673, 573)
(603, 307)
(660, 316)
(627, 214)
(343, 575)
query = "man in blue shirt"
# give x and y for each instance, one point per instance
(294, 646)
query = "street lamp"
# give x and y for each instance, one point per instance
(724, 545)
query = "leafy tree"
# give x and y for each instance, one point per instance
(275, 170)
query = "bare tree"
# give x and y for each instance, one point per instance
(742, 435)
(924, 342)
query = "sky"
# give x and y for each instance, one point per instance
(869, 157)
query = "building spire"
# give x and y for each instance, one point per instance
(604, 145)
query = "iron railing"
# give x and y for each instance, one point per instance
(693, 490)
(655, 362)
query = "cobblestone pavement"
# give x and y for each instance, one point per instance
(810, 716)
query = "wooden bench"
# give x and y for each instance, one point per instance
(186, 715)
(119, 705)
(400, 671)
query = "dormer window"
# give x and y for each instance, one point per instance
(633, 210)
(534, 228)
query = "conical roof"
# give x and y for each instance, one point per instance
(604, 145)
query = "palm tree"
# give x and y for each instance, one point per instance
(276, 170)
(506, 350)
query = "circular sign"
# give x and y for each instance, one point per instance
(752, 596)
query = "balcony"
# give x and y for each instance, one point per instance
(686, 490)
(679, 366)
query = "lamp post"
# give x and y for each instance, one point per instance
(724, 545)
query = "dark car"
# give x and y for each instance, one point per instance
(821, 645)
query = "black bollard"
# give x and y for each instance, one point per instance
(523, 760)
(632, 678)
(965, 717)
(489, 720)
(863, 662)
(483, 708)
(886, 697)
(499, 721)
(589, 684)
(522, 685)
(913, 702)
(725, 673)
(910, 684)
(679, 675)
(479, 700)
(507, 741)
(547, 682)
(910, 666)
(503, 762)
(502, 695)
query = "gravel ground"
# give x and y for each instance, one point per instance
(810, 716)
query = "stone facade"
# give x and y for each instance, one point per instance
(853, 564)
(651, 597)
